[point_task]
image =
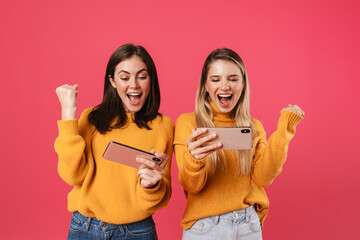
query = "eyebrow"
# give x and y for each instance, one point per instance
(144, 69)
(123, 71)
(232, 75)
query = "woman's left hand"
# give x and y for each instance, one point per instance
(150, 172)
(296, 109)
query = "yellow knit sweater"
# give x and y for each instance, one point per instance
(104, 189)
(214, 194)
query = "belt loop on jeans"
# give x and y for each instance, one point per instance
(248, 214)
(216, 219)
(87, 223)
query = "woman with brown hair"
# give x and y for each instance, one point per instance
(110, 200)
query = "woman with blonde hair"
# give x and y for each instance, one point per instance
(225, 188)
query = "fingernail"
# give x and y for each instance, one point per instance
(214, 135)
(204, 130)
(219, 144)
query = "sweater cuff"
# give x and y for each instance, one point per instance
(194, 163)
(68, 127)
(292, 118)
(148, 193)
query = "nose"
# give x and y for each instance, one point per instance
(133, 83)
(225, 85)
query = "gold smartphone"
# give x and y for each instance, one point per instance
(126, 155)
(232, 138)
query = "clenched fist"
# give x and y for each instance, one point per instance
(296, 109)
(67, 96)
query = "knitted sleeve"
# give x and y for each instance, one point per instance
(153, 199)
(270, 156)
(192, 172)
(70, 147)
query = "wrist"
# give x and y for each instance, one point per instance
(68, 114)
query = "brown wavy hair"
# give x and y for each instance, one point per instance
(111, 108)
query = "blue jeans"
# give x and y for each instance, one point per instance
(241, 224)
(82, 227)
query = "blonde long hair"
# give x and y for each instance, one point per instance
(241, 112)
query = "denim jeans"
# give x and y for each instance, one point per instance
(241, 224)
(82, 227)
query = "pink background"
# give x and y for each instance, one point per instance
(300, 52)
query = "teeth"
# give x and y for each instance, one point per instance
(224, 95)
(134, 94)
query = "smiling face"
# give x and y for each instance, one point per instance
(224, 84)
(132, 83)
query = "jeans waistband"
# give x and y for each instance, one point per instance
(94, 221)
(236, 216)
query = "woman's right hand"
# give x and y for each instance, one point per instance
(67, 96)
(195, 142)
(296, 109)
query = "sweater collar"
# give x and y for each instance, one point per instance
(220, 116)
(130, 117)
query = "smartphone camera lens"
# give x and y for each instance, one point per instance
(245, 130)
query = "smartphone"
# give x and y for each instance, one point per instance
(232, 138)
(126, 155)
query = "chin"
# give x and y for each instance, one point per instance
(132, 109)
(224, 109)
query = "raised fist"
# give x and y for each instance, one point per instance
(67, 96)
(295, 109)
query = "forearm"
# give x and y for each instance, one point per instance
(192, 172)
(270, 157)
(70, 147)
(153, 199)
(156, 197)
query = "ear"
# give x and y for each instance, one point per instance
(112, 81)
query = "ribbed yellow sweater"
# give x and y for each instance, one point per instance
(104, 189)
(225, 191)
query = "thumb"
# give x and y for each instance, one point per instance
(76, 88)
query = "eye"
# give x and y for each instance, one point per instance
(143, 77)
(124, 78)
(233, 79)
(215, 80)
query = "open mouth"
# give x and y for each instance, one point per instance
(134, 98)
(225, 99)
